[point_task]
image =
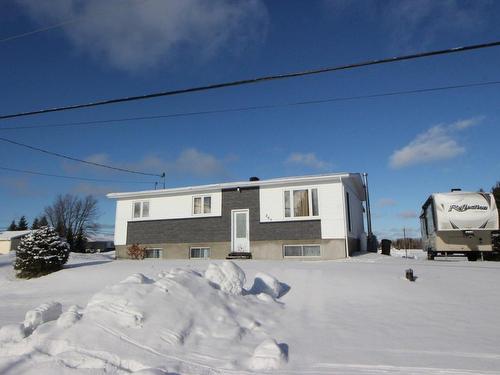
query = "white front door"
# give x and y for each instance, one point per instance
(240, 231)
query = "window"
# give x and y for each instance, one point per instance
(429, 216)
(304, 202)
(301, 251)
(141, 209)
(300, 203)
(315, 208)
(202, 205)
(348, 208)
(200, 252)
(287, 204)
(153, 253)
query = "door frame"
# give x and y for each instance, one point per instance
(233, 212)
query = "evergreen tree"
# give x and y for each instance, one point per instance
(40, 253)
(80, 245)
(12, 226)
(36, 224)
(43, 222)
(23, 224)
(70, 239)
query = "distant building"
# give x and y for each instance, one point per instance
(9, 240)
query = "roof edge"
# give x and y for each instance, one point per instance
(229, 185)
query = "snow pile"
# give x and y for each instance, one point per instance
(267, 284)
(182, 321)
(268, 356)
(42, 314)
(228, 277)
(12, 333)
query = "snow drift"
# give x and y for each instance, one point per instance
(180, 321)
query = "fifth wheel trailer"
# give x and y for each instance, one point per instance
(459, 223)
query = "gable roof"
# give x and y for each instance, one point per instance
(309, 179)
(12, 234)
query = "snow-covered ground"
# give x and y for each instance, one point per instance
(355, 316)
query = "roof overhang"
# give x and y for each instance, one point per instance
(332, 177)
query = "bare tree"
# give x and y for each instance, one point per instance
(70, 211)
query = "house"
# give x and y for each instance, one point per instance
(99, 244)
(312, 217)
(9, 240)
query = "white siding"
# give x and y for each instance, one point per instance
(4, 247)
(160, 208)
(331, 211)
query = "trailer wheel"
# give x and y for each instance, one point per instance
(430, 255)
(472, 257)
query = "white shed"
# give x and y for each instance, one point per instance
(9, 240)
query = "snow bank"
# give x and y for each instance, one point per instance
(267, 284)
(42, 314)
(70, 317)
(228, 277)
(268, 356)
(12, 333)
(178, 322)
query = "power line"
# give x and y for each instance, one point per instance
(78, 160)
(40, 30)
(73, 177)
(256, 107)
(255, 80)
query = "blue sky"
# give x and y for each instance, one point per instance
(410, 145)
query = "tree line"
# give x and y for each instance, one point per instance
(73, 218)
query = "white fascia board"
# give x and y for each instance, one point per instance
(229, 185)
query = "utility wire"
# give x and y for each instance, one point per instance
(256, 107)
(36, 31)
(255, 80)
(73, 177)
(76, 159)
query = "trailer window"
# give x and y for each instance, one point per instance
(429, 219)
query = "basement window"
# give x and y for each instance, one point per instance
(200, 253)
(140, 209)
(301, 250)
(202, 205)
(153, 253)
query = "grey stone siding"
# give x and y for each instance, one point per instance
(218, 229)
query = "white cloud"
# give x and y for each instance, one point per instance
(408, 214)
(190, 162)
(139, 34)
(386, 202)
(309, 160)
(437, 143)
(415, 24)
(418, 23)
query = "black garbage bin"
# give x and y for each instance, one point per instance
(386, 246)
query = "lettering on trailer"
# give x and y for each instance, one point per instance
(465, 207)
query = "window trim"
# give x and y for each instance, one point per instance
(200, 247)
(309, 202)
(202, 206)
(141, 209)
(302, 245)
